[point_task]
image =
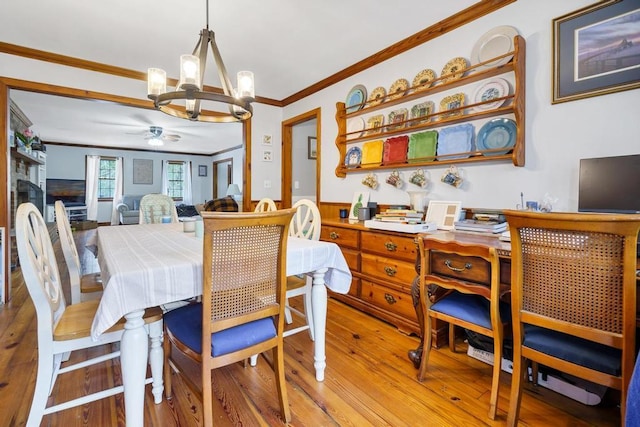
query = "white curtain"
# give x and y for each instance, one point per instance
(93, 172)
(187, 193)
(117, 193)
(165, 177)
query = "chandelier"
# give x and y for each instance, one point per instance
(190, 87)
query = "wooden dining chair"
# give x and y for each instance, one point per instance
(573, 297)
(474, 303)
(242, 308)
(84, 287)
(265, 205)
(62, 328)
(155, 206)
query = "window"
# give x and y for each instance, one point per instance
(175, 180)
(107, 178)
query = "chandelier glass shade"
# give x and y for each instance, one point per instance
(190, 87)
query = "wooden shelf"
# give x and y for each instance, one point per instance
(516, 107)
(26, 157)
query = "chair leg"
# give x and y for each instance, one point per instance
(287, 313)
(452, 337)
(253, 360)
(207, 395)
(44, 383)
(308, 309)
(156, 360)
(517, 378)
(167, 368)
(425, 350)
(497, 366)
(281, 382)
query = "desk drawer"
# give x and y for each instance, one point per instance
(389, 245)
(471, 269)
(353, 259)
(388, 299)
(344, 237)
(388, 269)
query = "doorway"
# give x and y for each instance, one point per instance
(222, 177)
(288, 133)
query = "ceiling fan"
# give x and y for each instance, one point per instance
(156, 136)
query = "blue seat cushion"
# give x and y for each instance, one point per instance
(573, 349)
(470, 308)
(185, 323)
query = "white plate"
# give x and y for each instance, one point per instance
(488, 90)
(494, 42)
(355, 126)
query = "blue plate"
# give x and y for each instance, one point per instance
(497, 133)
(353, 157)
(456, 142)
(355, 98)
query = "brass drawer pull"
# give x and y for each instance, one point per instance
(467, 266)
(391, 247)
(390, 299)
(390, 271)
(333, 235)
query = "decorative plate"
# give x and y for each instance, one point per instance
(374, 124)
(422, 112)
(497, 133)
(355, 126)
(495, 42)
(422, 146)
(452, 102)
(372, 152)
(356, 98)
(456, 140)
(353, 157)
(395, 149)
(491, 89)
(397, 119)
(377, 96)
(423, 79)
(398, 88)
(454, 69)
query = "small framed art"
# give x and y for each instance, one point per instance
(202, 170)
(312, 149)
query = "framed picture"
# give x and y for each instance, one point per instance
(202, 170)
(444, 214)
(360, 200)
(312, 150)
(595, 50)
(142, 171)
(267, 155)
(266, 139)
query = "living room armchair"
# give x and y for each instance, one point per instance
(129, 209)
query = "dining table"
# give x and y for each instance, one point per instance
(149, 265)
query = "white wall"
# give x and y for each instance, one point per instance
(557, 136)
(65, 162)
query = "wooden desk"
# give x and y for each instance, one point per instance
(439, 332)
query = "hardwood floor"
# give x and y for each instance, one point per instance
(369, 381)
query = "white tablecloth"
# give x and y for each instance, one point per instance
(148, 265)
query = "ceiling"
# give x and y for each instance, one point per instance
(289, 45)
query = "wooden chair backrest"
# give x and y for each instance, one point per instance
(69, 250)
(244, 268)
(40, 270)
(306, 222)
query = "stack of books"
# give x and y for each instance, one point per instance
(404, 216)
(482, 226)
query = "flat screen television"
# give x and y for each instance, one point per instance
(70, 191)
(610, 184)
